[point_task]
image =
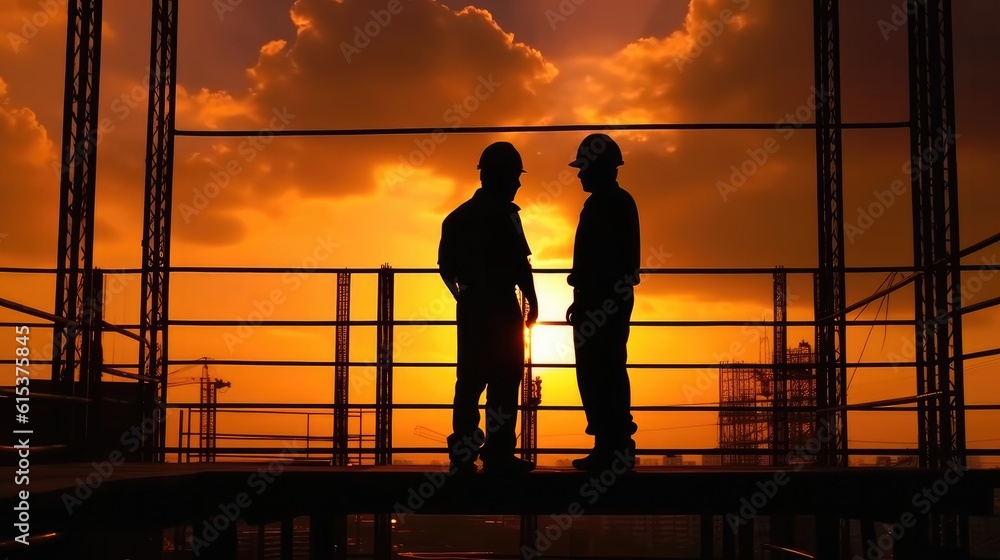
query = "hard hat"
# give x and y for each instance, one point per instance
(501, 155)
(598, 149)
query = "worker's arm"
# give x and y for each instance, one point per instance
(526, 282)
(525, 279)
(447, 257)
(633, 248)
(451, 282)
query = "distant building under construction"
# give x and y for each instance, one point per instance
(769, 407)
(749, 417)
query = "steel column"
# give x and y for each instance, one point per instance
(936, 249)
(831, 335)
(156, 225)
(77, 174)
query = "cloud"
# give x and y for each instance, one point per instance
(723, 66)
(752, 63)
(22, 21)
(350, 66)
(345, 59)
(29, 186)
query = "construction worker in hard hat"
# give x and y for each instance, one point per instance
(482, 257)
(605, 272)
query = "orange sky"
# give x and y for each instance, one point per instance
(303, 202)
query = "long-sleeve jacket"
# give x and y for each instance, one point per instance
(606, 251)
(483, 245)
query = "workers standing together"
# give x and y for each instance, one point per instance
(483, 256)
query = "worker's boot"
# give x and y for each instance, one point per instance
(609, 453)
(624, 454)
(599, 457)
(463, 452)
(498, 451)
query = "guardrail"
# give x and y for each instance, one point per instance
(365, 446)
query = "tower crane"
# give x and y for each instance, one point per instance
(208, 397)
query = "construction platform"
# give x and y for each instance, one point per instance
(77, 497)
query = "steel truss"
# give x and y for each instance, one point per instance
(158, 198)
(829, 304)
(936, 253)
(75, 285)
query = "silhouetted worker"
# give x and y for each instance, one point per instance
(605, 271)
(483, 255)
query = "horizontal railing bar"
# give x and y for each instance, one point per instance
(10, 394)
(446, 322)
(320, 451)
(540, 365)
(135, 376)
(980, 306)
(440, 406)
(980, 354)
(548, 451)
(351, 415)
(106, 326)
(981, 406)
(13, 305)
(758, 270)
(876, 296)
(881, 403)
(916, 274)
(708, 271)
(34, 362)
(265, 437)
(407, 131)
(976, 247)
(263, 408)
(31, 325)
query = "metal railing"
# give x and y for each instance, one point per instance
(322, 446)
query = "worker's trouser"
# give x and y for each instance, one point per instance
(490, 358)
(600, 336)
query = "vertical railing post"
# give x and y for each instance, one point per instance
(383, 381)
(93, 364)
(383, 399)
(341, 370)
